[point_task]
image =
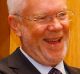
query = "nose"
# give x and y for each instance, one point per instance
(55, 25)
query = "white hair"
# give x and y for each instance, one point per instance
(16, 6)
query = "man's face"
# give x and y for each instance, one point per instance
(44, 37)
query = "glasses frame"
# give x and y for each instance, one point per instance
(61, 16)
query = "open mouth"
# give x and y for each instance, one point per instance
(53, 40)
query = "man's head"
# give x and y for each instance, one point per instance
(42, 26)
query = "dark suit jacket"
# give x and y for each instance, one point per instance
(17, 63)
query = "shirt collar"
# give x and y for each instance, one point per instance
(41, 68)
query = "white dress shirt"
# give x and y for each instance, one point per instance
(42, 68)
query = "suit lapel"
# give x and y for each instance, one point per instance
(20, 64)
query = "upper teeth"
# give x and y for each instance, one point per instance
(52, 40)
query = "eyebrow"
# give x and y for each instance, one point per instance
(47, 12)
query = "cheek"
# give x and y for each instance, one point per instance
(66, 28)
(25, 34)
(38, 32)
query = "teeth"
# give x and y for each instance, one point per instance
(53, 40)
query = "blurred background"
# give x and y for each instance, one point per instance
(4, 31)
(9, 41)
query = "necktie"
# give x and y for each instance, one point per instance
(54, 71)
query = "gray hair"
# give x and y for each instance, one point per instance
(16, 6)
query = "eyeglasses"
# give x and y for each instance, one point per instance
(62, 16)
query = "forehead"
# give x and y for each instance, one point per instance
(35, 6)
(40, 2)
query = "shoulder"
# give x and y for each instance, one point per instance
(5, 70)
(72, 70)
(6, 62)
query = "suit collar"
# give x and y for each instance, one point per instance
(19, 62)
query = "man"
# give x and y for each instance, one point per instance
(43, 27)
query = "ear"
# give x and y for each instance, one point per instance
(14, 24)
